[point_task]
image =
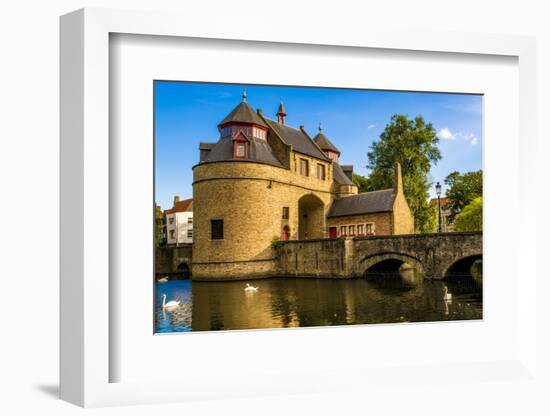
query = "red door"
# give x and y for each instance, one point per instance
(332, 232)
(285, 235)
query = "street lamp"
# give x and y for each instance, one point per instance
(438, 192)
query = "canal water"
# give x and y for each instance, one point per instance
(287, 302)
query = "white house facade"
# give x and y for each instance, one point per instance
(179, 222)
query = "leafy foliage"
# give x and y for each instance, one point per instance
(276, 242)
(362, 183)
(462, 190)
(471, 217)
(413, 143)
(158, 226)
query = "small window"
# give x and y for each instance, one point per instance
(189, 233)
(343, 230)
(240, 149)
(321, 171)
(352, 230)
(171, 220)
(369, 228)
(216, 229)
(360, 229)
(190, 220)
(304, 167)
(172, 234)
(285, 213)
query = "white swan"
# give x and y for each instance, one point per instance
(447, 295)
(162, 280)
(170, 305)
(249, 288)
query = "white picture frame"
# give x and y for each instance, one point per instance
(85, 213)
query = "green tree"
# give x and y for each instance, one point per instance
(413, 143)
(362, 183)
(471, 217)
(159, 240)
(462, 189)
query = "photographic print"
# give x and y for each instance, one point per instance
(288, 206)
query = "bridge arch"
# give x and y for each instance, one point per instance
(462, 266)
(184, 270)
(389, 262)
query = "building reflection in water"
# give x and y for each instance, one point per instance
(286, 303)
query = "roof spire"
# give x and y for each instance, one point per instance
(244, 95)
(281, 113)
(320, 127)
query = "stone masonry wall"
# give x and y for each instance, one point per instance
(314, 258)
(249, 197)
(382, 222)
(350, 257)
(167, 259)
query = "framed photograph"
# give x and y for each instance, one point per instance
(275, 230)
(275, 199)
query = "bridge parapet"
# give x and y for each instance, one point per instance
(348, 257)
(169, 259)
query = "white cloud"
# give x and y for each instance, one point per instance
(470, 137)
(371, 126)
(446, 134)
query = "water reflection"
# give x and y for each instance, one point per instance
(285, 303)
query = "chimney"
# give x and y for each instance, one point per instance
(176, 199)
(398, 185)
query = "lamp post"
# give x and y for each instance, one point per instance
(438, 192)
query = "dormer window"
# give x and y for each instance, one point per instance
(332, 155)
(240, 146)
(240, 149)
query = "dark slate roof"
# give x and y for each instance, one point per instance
(258, 151)
(366, 203)
(298, 139)
(243, 113)
(339, 175)
(348, 170)
(324, 143)
(206, 145)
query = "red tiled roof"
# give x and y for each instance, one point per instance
(442, 202)
(181, 206)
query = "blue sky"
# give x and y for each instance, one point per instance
(188, 113)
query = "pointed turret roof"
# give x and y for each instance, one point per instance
(281, 109)
(323, 142)
(243, 113)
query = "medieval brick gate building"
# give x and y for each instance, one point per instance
(263, 181)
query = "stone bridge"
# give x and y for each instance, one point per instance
(435, 255)
(175, 260)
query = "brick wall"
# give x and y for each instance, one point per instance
(249, 197)
(382, 222)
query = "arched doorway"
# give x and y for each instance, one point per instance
(311, 217)
(183, 271)
(285, 233)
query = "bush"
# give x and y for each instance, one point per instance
(471, 217)
(276, 242)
